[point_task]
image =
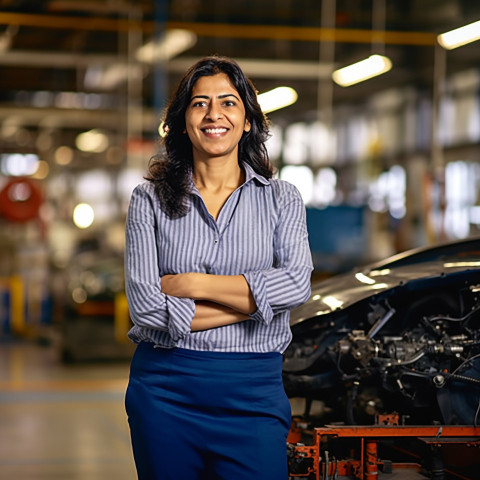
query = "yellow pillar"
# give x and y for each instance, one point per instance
(122, 318)
(17, 305)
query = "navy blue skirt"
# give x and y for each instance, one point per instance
(198, 415)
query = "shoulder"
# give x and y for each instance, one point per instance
(284, 192)
(143, 190)
(143, 195)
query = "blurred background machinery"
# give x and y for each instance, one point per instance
(383, 165)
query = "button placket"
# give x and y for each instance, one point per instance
(212, 254)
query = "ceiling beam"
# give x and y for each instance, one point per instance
(223, 30)
(306, 34)
(56, 118)
(44, 59)
(252, 67)
(255, 68)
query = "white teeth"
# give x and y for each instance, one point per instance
(215, 130)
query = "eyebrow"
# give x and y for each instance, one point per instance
(225, 95)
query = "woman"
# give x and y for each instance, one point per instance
(217, 255)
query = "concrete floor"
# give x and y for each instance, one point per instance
(64, 422)
(67, 421)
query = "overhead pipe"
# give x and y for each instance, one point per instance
(223, 30)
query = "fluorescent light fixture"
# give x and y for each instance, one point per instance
(18, 164)
(363, 70)
(460, 36)
(277, 98)
(168, 46)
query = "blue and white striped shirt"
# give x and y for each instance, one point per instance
(260, 233)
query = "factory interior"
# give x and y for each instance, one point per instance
(386, 163)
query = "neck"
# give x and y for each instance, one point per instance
(217, 174)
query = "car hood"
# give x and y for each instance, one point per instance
(344, 290)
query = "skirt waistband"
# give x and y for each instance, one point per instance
(215, 363)
(215, 355)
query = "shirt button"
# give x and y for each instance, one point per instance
(216, 241)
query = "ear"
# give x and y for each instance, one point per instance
(247, 126)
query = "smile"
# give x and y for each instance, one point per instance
(214, 131)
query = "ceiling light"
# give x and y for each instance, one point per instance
(460, 36)
(42, 170)
(19, 164)
(63, 155)
(92, 141)
(167, 46)
(358, 72)
(277, 98)
(83, 215)
(118, 73)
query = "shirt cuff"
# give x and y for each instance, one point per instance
(258, 287)
(180, 312)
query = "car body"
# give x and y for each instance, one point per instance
(401, 335)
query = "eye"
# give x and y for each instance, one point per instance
(229, 103)
(199, 103)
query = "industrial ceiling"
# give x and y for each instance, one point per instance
(52, 53)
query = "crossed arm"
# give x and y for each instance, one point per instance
(219, 299)
(170, 302)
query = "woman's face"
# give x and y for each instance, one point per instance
(215, 118)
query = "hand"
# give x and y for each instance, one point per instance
(181, 284)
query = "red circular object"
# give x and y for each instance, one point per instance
(20, 200)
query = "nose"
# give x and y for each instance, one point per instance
(214, 111)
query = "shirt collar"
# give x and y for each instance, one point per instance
(251, 174)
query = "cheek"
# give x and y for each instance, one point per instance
(188, 127)
(189, 117)
(191, 135)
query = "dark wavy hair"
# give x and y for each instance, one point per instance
(170, 169)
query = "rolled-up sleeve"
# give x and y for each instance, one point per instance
(148, 305)
(288, 283)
